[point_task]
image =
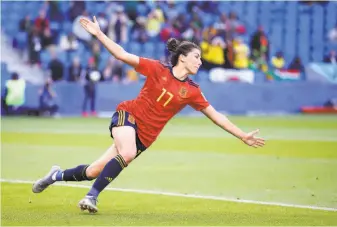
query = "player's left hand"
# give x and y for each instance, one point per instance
(253, 141)
(91, 27)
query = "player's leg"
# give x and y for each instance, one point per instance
(125, 140)
(78, 173)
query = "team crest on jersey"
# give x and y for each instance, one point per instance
(131, 119)
(183, 92)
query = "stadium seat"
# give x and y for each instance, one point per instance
(135, 47)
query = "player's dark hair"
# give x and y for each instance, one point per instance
(177, 48)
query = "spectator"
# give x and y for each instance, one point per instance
(333, 34)
(331, 57)
(14, 96)
(96, 52)
(47, 99)
(55, 67)
(76, 9)
(180, 23)
(296, 64)
(169, 31)
(41, 22)
(196, 21)
(26, 24)
(170, 10)
(68, 42)
(222, 25)
(213, 53)
(75, 70)
(154, 23)
(259, 45)
(80, 32)
(118, 26)
(194, 32)
(131, 9)
(47, 40)
(34, 46)
(54, 13)
(209, 33)
(241, 54)
(211, 7)
(278, 61)
(139, 33)
(113, 70)
(103, 22)
(232, 24)
(90, 76)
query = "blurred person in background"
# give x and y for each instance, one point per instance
(14, 95)
(96, 51)
(233, 26)
(331, 57)
(89, 78)
(154, 23)
(26, 24)
(113, 70)
(41, 22)
(76, 9)
(55, 66)
(241, 54)
(137, 123)
(79, 32)
(213, 53)
(47, 39)
(139, 32)
(118, 25)
(75, 70)
(169, 31)
(47, 99)
(54, 13)
(278, 61)
(34, 46)
(103, 22)
(222, 25)
(259, 45)
(69, 42)
(296, 64)
(170, 11)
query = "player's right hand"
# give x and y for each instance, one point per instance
(251, 140)
(91, 27)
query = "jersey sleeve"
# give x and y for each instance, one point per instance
(198, 101)
(146, 66)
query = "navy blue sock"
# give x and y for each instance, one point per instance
(109, 173)
(74, 174)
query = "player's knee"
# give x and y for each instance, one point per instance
(93, 171)
(128, 155)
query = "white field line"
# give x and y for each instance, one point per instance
(329, 135)
(184, 195)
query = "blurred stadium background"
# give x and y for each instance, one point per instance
(265, 63)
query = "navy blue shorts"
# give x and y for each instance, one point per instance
(123, 118)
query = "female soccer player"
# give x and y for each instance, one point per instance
(136, 123)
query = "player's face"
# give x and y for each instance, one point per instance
(193, 61)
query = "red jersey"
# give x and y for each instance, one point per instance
(161, 97)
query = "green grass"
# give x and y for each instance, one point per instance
(297, 166)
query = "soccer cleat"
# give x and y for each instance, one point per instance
(47, 180)
(88, 203)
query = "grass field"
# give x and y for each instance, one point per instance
(194, 174)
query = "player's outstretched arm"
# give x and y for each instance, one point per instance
(116, 50)
(222, 121)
